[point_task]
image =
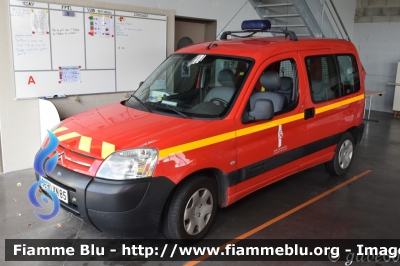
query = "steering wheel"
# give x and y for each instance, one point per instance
(222, 101)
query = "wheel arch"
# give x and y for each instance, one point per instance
(357, 133)
(222, 183)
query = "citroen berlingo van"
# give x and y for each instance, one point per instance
(213, 123)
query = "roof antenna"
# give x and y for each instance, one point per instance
(208, 47)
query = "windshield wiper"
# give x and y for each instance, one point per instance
(145, 107)
(163, 105)
(176, 111)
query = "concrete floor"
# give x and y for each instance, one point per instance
(366, 208)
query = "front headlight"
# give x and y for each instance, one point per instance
(129, 164)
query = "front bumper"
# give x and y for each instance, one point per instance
(120, 208)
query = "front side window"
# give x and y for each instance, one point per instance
(277, 80)
(323, 78)
(193, 86)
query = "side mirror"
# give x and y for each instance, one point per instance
(140, 84)
(263, 110)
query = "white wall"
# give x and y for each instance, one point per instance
(221, 10)
(379, 47)
(20, 127)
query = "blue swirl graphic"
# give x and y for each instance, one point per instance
(44, 198)
(35, 202)
(42, 155)
(44, 166)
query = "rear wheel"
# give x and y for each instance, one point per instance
(343, 158)
(191, 211)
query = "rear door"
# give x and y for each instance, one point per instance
(352, 95)
(321, 108)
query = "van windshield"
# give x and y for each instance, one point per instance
(192, 86)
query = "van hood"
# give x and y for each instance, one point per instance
(122, 127)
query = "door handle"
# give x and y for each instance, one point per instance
(309, 113)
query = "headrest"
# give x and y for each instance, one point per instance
(270, 80)
(226, 78)
(286, 83)
(255, 96)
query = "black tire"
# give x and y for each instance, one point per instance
(344, 155)
(174, 223)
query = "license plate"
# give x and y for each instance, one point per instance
(61, 193)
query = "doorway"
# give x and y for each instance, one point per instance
(193, 30)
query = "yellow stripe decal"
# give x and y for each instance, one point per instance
(261, 127)
(339, 104)
(352, 100)
(197, 144)
(68, 136)
(328, 107)
(84, 144)
(249, 130)
(60, 130)
(107, 149)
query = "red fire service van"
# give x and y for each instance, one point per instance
(213, 123)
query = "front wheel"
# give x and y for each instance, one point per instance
(343, 158)
(190, 213)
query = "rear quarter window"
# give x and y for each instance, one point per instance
(323, 78)
(332, 76)
(349, 74)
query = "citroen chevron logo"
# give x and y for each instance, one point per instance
(44, 165)
(61, 157)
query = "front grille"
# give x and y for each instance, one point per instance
(73, 160)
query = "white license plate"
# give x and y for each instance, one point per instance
(61, 193)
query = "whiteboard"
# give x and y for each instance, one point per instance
(31, 50)
(47, 83)
(140, 47)
(67, 39)
(59, 49)
(100, 51)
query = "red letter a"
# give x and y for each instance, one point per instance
(31, 80)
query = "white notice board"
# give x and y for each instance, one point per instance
(73, 50)
(67, 36)
(100, 49)
(31, 46)
(141, 43)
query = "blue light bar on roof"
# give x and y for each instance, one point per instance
(256, 24)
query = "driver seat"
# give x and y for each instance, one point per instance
(227, 79)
